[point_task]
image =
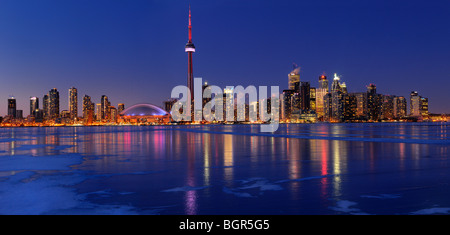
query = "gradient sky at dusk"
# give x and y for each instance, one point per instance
(133, 51)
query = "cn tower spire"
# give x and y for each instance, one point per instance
(190, 48)
(190, 26)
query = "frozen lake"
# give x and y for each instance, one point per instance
(380, 168)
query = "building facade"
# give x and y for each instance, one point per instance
(34, 106)
(12, 107)
(293, 77)
(414, 104)
(73, 103)
(53, 104)
(88, 110)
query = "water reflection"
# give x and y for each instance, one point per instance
(337, 164)
(308, 157)
(228, 157)
(323, 152)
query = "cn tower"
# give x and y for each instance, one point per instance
(190, 48)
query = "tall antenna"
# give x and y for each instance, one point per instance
(190, 26)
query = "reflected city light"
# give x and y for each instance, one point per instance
(201, 163)
(228, 157)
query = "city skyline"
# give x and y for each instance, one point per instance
(132, 82)
(281, 108)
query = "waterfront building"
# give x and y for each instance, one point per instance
(46, 108)
(114, 113)
(104, 112)
(321, 91)
(415, 103)
(293, 78)
(305, 97)
(337, 106)
(312, 99)
(373, 103)
(327, 107)
(64, 117)
(295, 107)
(253, 107)
(344, 87)
(120, 107)
(88, 110)
(12, 107)
(229, 111)
(53, 104)
(424, 107)
(286, 109)
(387, 107)
(400, 107)
(337, 97)
(34, 105)
(323, 83)
(335, 85)
(350, 107)
(266, 106)
(204, 100)
(98, 113)
(361, 104)
(73, 103)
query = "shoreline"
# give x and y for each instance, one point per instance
(230, 124)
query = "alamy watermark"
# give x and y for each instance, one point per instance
(234, 100)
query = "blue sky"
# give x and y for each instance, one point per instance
(133, 51)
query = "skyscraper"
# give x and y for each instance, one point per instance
(294, 77)
(34, 105)
(323, 82)
(295, 106)
(113, 114)
(361, 104)
(373, 103)
(229, 111)
(344, 88)
(12, 107)
(190, 48)
(73, 103)
(321, 91)
(45, 107)
(312, 99)
(88, 110)
(105, 112)
(98, 113)
(387, 107)
(120, 108)
(286, 107)
(350, 107)
(305, 96)
(400, 107)
(414, 108)
(424, 107)
(337, 99)
(53, 105)
(336, 85)
(327, 107)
